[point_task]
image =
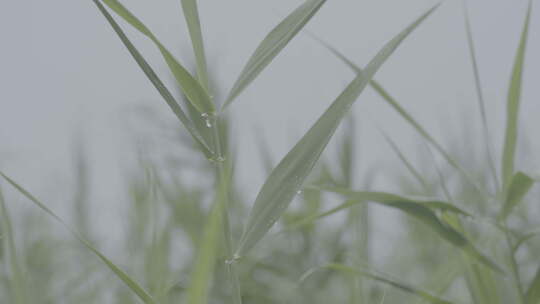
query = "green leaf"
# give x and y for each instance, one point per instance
(519, 185)
(18, 282)
(191, 14)
(512, 106)
(152, 76)
(134, 286)
(272, 44)
(386, 96)
(289, 175)
(193, 90)
(532, 296)
(384, 279)
(422, 211)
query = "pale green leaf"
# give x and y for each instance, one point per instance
(289, 175)
(272, 44)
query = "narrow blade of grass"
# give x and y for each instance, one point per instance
(272, 44)
(423, 211)
(519, 186)
(386, 96)
(289, 175)
(17, 276)
(480, 96)
(152, 76)
(132, 284)
(191, 14)
(532, 296)
(512, 106)
(193, 90)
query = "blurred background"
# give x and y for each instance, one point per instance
(85, 131)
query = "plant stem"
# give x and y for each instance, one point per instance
(223, 179)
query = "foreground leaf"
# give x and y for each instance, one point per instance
(193, 90)
(512, 106)
(158, 84)
(517, 189)
(289, 175)
(134, 286)
(272, 44)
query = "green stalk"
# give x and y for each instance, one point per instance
(222, 174)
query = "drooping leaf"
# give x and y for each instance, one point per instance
(519, 185)
(152, 76)
(512, 106)
(132, 284)
(272, 44)
(289, 175)
(191, 14)
(423, 211)
(193, 90)
(532, 296)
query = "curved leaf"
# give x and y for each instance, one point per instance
(423, 211)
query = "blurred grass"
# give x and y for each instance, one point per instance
(455, 244)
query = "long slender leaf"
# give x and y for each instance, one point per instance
(289, 175)
(519, 186)
(132, 284)
(272, 44)
(423, 211)
(152, 76)
(512, 106)
(532, 296)
(193, 90)
(191, 14)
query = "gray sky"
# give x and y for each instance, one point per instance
(63, 69)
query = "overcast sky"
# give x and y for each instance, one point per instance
(63, 69)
